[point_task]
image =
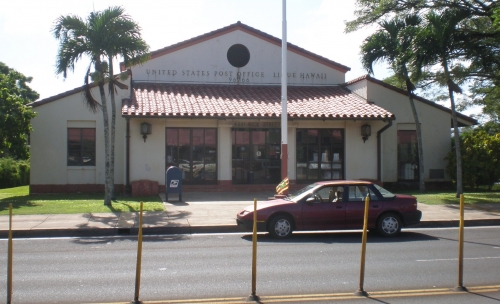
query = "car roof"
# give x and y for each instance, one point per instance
(344, 182)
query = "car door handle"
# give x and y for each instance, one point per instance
(339, 207)
(375, 206)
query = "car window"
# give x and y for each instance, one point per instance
(324, 194)
(331, 194)
(359, 192)
(337, 194)
(384, 192)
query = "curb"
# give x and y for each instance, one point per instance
(93, 232)
(456, 223)
(96, 232)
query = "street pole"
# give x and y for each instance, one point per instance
(253, 296)
(460, 286)
(9, 258)
(139, 260)
(284, 112)
(361, 291)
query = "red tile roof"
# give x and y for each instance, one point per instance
(207, 100)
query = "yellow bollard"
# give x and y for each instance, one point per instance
(361, 291)
(460, 286)
(139, 259)
(9, 259)
(253, 296)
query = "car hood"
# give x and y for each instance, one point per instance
(268, 204)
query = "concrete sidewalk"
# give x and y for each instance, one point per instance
(202, 212)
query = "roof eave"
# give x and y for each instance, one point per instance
(367, 77)
(249, 30)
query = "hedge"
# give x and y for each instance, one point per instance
(14, 173)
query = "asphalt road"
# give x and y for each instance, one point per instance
(76, 270)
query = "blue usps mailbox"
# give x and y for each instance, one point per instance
(173, 182)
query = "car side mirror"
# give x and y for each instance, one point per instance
(311, 200)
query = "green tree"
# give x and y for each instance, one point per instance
(486, 93)
(436, 43)
(477, 43)
(481, 158)
(369, 12)
(103, 36)
(15, 114)
(393, 43)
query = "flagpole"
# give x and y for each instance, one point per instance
(284, 113)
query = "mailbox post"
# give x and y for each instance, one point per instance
(173, 182)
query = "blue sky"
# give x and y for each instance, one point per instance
(27, 44)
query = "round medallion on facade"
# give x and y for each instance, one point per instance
(238, 55)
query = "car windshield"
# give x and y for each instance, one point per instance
(385, 193)
(297, 196)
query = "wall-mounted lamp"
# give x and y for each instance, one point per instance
(366, 131)
(145, 130)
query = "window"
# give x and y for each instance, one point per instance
(81, 147)
(407, 155)
(320, 154)
(194, 151)
(238, 55)
(359, 193)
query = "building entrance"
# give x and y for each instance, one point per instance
(256, 156)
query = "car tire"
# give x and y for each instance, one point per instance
(281, 227)
(389, 225)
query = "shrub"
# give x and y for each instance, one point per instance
(480, 159)
(14, 173)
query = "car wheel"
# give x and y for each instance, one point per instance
(281, 227)
(389, 224)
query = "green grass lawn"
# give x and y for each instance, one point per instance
(23, 203)
(441, 198)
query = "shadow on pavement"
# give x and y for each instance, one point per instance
(469, 242)
(484, 296)
(343, 238)
(145, 239)
(377, 300)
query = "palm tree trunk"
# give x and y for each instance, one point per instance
(113, 124)
(107, 197)
(458, 152)
(421, 170)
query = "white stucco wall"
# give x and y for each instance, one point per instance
(206, 62)
(435, 130)
(49, 145)
(360, 88)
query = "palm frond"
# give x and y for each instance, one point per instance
(92, 104)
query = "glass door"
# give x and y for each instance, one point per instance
(256, 156)
(241, 156)
(194, 151)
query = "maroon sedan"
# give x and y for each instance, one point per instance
(334, 205)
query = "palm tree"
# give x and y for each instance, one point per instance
(439, 43)
(392, 43)
(102, 37)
